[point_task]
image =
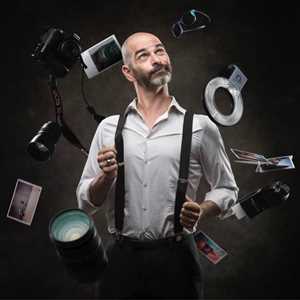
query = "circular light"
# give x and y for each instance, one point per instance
(210, 103)
(70, 225)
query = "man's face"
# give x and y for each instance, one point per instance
(150, 63)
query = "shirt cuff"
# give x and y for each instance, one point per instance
(83, 196)
(224, 198)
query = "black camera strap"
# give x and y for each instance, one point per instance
(66, 131)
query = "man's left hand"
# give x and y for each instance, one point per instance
(190, 213)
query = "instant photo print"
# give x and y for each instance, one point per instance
(24, 202)
(101, 56)
(209, 248)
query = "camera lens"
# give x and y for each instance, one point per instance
(42, 145)
(70, 51)
(78, 244)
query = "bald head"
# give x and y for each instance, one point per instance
(146, 61)
(136, 41)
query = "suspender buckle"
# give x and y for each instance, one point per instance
(183, 180)
(118, 235)
(121, 164)
(179, 237)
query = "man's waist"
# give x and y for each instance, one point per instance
(151, 243)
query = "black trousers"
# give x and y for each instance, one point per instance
(163, 269)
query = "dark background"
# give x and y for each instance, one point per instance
(261, 38)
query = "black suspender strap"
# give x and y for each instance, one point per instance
(183, 172)
(183, 168)
(120, 182)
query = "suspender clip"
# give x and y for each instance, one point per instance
(179, 238)
(182, 180)
(118, 235)
(121, 164)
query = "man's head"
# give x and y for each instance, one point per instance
(146, 61)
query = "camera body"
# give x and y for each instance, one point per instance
(264, 198)
(57, 51)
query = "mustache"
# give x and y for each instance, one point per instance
(160, 67)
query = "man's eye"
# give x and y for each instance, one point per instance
(160, 51)
(142, 56)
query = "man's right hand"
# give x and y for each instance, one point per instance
(107, 161)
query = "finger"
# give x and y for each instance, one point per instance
(108, 148)
(110, 162)
(188, 220)
(189, 214)
(107, 163)
(105, 149)
(109, 155)
(105, 156)
(110, 169)
(186, 224)
(193, 206)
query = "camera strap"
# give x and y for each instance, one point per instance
(66, 131)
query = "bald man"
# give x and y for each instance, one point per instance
(148, 258)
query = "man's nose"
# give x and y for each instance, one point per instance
(155, 59)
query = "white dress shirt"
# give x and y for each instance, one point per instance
(152, 159)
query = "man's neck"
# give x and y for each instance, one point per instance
(152, 103)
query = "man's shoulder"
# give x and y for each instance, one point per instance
(109, 124)
(109, 121)
(202, 121)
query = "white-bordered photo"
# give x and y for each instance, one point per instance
(209, 248)
(245, 155)
(24, 202)
(101, 56)
(277, 163)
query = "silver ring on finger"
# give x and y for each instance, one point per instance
(109, 162)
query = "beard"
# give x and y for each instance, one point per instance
(159, 76)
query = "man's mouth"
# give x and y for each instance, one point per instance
(162, 69)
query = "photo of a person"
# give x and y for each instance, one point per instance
(245, 155)
(106, 55)
(208, 251)
(209, 248)
(101, 56)
(24, 202)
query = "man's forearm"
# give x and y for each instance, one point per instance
(99, 188)
(209, 209)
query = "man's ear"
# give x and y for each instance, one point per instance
(127, 73)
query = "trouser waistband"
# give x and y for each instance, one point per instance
(134, 242)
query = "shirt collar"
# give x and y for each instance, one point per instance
(132, 105)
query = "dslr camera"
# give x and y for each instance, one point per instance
(57, 51)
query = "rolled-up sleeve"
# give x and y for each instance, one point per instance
(90, 171)
(217, 170)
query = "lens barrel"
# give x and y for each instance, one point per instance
(42, 145)
(78, 245)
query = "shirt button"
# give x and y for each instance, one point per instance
(144, 208)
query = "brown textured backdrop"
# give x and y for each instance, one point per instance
(258, 37)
